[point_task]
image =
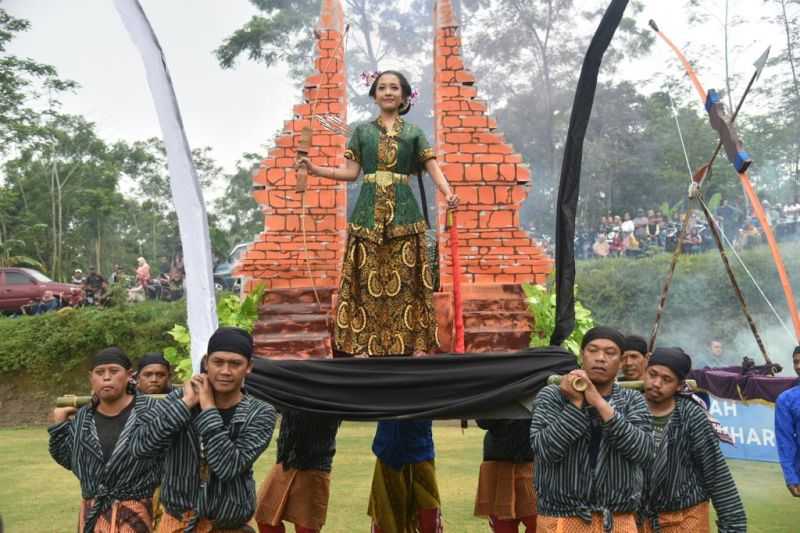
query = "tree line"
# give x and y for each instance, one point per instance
(71, 198)
(527, 57)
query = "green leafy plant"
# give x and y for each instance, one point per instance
(240, 313)
(178, 355)
(231, 311)
(542, 306)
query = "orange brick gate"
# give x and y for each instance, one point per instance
(491, 181)
(303, 241)
(487, 174)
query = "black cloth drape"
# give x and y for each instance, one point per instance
(447, 386)
(569, 185)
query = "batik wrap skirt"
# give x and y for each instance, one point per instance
(296, 496)
(397, 496)
(505, 490)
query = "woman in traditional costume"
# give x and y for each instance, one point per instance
(385, 293)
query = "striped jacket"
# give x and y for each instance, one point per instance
(170, 430)
(560, 437)
(689, 469)
(75, 445)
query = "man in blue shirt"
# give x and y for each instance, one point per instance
(787, 430)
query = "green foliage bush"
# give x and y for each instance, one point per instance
(542, 306)
(702, 305)
(231, 311)
(55, 343)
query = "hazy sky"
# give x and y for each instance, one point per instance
(231, 110)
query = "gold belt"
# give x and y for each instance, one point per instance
(384, 178)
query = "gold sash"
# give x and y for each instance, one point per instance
(384, 178)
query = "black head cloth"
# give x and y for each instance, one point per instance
(796, 350)
(229, 339)
(111, 356)
(603, 332)
(634, 343)
(673, 358)
(153, 358)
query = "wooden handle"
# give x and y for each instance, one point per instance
(303, 146)
(302, 180)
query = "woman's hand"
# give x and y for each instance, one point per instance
(311, 168)
(452, 201)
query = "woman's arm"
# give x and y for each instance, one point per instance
(441, 183)
(348, 172)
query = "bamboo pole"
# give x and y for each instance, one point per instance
(634, 385)
(74, 400)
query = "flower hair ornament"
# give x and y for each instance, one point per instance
(368, 77)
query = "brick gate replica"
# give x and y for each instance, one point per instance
(299, 254)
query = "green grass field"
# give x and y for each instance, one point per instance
(38, 496)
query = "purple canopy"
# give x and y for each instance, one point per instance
(732, 383)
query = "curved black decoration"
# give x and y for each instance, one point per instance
(459, 386)
(569, 185)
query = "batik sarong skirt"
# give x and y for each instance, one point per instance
(397, 496)
(296, 496)
(172, 524)
(384, 305)
(127, 516)
(694, 519)
(505, 490)
(623, 523)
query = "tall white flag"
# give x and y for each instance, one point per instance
(187, 196)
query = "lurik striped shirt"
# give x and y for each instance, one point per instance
(689, 468)
(560, 436)
(171, 430)
(75, 445)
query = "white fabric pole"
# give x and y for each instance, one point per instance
(187, 196)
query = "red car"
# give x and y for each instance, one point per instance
(20, 286)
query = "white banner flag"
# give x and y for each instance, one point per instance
(187, 196)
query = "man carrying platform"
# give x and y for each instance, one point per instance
(689, 468)
(94, 443)
(505, 483)
(154, 374)
(634, 358)
(590, 446)
(209, 434)
(297, 488)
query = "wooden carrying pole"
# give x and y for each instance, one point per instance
(634, 385)
(73, 400)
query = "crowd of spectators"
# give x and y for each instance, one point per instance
(653, 231)
(140, 284)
